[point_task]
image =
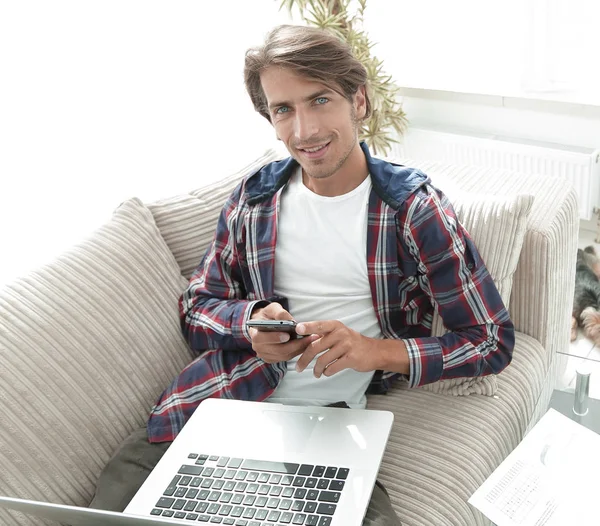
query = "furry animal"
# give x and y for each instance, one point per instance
(586, 303)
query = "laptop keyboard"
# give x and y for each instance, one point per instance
(245, 492)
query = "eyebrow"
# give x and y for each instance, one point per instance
(310, 97)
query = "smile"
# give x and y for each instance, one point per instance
(315, 152)
(316, 149)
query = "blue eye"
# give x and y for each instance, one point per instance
(321, 100)
(282, 109)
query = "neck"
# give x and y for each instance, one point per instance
(349, 176)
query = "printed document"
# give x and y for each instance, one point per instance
(550, 479)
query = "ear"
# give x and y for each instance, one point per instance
(360, 102)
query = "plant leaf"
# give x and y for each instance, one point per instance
(387, 121)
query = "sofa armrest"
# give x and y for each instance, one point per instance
(544, 282)
(87, 344)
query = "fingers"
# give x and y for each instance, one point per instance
(317, 346)
(274, 311)
(281, 352)
(318, 327)
(333, 367)
(266, 337)
(326, 363)
(300, 346)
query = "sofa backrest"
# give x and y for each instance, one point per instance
(543, 269)
(188, 222)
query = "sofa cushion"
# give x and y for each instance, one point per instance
(87, 344)
(442, 448)
(188, 222)
(497, 226)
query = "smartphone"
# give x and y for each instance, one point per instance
(287, 326)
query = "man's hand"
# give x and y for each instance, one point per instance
(345, 348)
(273, 347)
(348, 349)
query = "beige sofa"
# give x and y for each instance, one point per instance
(88, 343)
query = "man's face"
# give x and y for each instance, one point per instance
(318, 125)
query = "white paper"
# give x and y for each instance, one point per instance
(550, 479)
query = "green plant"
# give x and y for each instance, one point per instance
(387, 119)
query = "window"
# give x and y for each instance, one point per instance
(523, 48)
(564, 50)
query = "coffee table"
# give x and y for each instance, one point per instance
(564, 398)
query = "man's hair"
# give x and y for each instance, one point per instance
(311, 52)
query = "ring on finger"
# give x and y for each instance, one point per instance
(330, 363)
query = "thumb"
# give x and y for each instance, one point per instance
(275, 311)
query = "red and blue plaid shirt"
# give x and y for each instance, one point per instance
(418, 255)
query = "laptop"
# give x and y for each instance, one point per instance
(244, 463)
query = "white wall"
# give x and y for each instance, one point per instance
(104, 100)
(561, 123)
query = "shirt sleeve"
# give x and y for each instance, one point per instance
(213, 311)
(452, 273)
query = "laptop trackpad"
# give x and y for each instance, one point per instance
(292, 430)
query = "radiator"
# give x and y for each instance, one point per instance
(581, 166)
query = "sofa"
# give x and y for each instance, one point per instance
(89, 342)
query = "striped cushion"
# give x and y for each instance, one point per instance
(87, 344)
(497, 226)
(188, 222)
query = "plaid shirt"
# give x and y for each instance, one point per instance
(418, 255)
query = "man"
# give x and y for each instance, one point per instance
(354, 248)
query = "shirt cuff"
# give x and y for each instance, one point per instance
(426, 360)
(248, 313)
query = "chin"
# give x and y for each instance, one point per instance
(318, 171)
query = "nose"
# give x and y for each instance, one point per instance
(306, 126)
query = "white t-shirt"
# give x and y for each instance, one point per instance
(321, 267)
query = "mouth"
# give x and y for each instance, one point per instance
(315, 152)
